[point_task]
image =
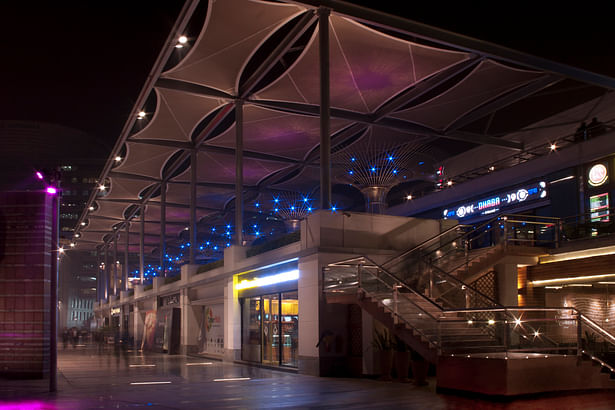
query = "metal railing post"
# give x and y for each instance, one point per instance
(579, 337)
(359, 267)
(467, 296)
(431, 283)
(395, 300)
(506, 334)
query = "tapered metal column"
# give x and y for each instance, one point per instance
(163, 227)
(125, 276)
(106, 271)
(98, 275)
(239, 172)
(325, 108)
(142, 244)
(193, 169)
(115, 278)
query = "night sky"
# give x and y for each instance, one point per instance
(83, 64)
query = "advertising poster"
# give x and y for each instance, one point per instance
(149, 330)
(211, 331)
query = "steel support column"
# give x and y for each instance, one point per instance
(142, 244)
(125, 279)
(239, 173)
(98, 275)
(325, 109)
(193, 174)
(163, 227)
(115, 278)
(106, 271)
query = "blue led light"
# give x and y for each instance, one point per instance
(353, 159)
(421, 162)
(390, 158)
(373, 169)
(351, 172)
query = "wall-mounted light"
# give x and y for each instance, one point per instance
(268, 280)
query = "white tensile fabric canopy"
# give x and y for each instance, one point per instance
(419, 91)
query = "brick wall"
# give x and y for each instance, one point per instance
(598, 303)
(25, 273)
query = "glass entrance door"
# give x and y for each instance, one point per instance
(289, 323)
(271, 329)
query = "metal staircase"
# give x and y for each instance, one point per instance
(420, 297)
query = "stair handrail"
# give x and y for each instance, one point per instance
(422, 244)
(403, 284)
(509, 316)
(465, 286)
(608, 336)
(500, 217)
(393, 310)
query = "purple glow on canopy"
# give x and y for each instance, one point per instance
(51, 190)
(39, 175)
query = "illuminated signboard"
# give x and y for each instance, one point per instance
(115, 311)
(493, 204)
(598, 174)
(280, 272)
(599, 207)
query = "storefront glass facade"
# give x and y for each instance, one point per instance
(270, 317)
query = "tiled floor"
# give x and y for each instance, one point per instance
(91, 380)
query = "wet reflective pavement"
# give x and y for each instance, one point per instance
(88, 379)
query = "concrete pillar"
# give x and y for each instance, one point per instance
(368, 337)
(232, 323)
(506, 279)
(189, 324)
(309, 309)
(137, 325)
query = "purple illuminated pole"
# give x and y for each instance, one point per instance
(53, 299)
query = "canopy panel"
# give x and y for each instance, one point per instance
(233, 31)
